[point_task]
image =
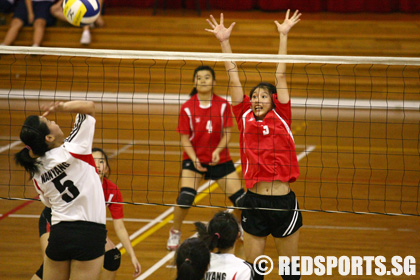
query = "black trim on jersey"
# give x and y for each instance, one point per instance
(252, 270)
(76, 128)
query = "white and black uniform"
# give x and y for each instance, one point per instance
(68, 182)
(228, 267)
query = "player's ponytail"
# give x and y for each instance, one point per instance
(32, 134)
(221, 232)
(201, 68)
(192, 259)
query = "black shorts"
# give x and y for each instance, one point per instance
(41, 10)
(214, 172)
(44, 221)
(6, 7)
(264, 222)
(82, 241)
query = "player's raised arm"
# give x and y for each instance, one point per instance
(76, 106)
(283, 29)
(223, 34)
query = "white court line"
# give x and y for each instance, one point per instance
(169, 211)
(7, 147)
(178, 99)
(135, 220)
(130, 142)
(161, 262)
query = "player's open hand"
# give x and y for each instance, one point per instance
(219, 30)
(51, 108)
(198, 166)
(137, 267)
(288, 23)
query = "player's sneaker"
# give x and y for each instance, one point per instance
(85, 39)
(173, 240)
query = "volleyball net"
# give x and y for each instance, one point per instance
(356, 121)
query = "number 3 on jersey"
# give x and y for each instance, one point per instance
(266, 131)
(68, 190)
(209, 126)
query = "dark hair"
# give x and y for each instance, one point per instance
(221, 232)
(202, 68)
(106, 160)
(32, 134)
(269, 87)
(192, 259)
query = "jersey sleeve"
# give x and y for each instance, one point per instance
(184, 121)
(81, 137)
(228, 116)
(44, 199)
(240, 109)
(116, 210)
(284, 110)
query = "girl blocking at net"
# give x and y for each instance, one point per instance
(112, 258)
(220, 235)
(65, 177)
(205, 123)
(112, 194)
(268, 154)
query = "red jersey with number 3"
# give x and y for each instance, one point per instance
(205, 126)
(112, 194)
(268, 150)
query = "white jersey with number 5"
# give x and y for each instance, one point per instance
(67, 180)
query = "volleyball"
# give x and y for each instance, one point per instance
(81, 12)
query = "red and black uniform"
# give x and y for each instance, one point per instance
(268, 154)
(204, 126)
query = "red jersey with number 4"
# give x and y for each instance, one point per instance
(112, 194)
(205, 126)
(268, 150)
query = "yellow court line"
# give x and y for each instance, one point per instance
(170, 217)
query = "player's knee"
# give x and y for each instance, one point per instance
(186, 197)
(238, 198)
(112, 260)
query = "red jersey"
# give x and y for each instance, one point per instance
(112, 194)
(268, 150)
(205, 126)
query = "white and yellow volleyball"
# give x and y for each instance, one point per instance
(81, 12)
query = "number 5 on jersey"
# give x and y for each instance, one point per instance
(68, 190)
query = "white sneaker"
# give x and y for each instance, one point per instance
(173, 240)
(85, 39)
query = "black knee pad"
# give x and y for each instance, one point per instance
(186, 197)
(112, 260)
(238, 198)
(40, 271)
(291, 277)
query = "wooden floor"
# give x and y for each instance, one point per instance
(359, 160)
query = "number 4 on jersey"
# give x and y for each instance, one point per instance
(209, 126)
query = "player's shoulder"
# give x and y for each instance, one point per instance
(220, 99)
(191, 102)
